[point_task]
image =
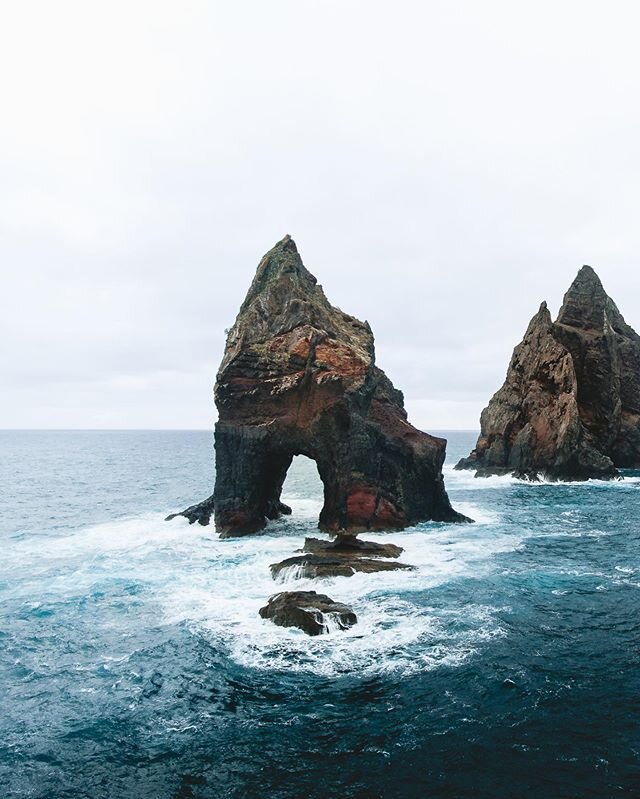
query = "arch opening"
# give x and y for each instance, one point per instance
(303, 490)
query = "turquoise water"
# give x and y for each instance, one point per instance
(133, 662)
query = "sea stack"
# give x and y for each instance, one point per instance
(298, 377)
(569, 408)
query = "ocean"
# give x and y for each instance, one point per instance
(133, 662)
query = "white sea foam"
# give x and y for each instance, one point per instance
(290, 574)
(393, 631)
(466, 479)
(479, 515)
(216, 587)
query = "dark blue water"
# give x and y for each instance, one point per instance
(133, 662)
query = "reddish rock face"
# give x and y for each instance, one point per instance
(569, 408)
(298, 377)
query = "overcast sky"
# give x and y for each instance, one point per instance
(442, 166)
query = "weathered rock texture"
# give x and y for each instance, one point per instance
(569, 408)
(313, 613)
(298, 377)
(339, 565)
(342, 557)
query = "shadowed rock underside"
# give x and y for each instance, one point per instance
(569, 408)
(298, 377)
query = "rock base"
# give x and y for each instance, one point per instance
(200, 512)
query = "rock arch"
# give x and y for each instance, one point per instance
(298, 377)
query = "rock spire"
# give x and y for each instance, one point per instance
(569, 408)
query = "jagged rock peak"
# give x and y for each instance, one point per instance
(282, 260)
(285, 295)
(298, 377)
(587, 305)
(541, 319)
(570, 404)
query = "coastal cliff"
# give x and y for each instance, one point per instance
(569, 408)
(298, 377)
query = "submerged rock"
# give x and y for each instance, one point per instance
(333, 565)
(311, 612)
(298, 377)
(569, 408)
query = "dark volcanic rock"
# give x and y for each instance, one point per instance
(569, 408)
(311, 612)
(200, 512)
(350, 546)
(340, 565)
(298, 377)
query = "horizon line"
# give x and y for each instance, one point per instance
(165, 429)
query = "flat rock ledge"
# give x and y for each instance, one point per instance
(312, 566)
(313, 613)
(349, 546)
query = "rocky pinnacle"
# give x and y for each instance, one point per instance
(569, 408)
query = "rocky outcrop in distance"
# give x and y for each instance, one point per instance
(569, 408)
(298, 377)
(311, 612)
